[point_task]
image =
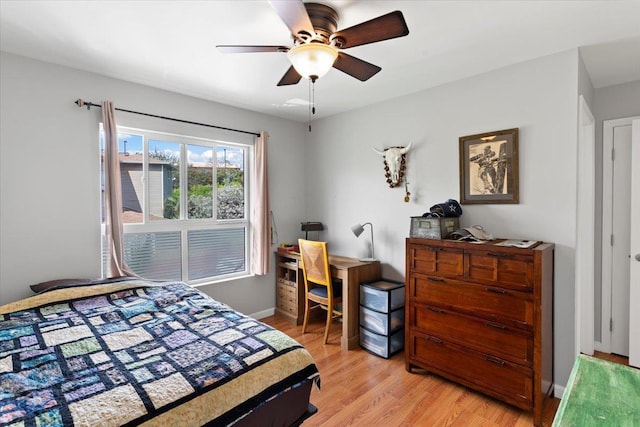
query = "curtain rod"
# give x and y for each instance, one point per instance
(82, 103)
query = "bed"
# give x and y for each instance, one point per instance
(138, 352)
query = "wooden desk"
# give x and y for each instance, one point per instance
(351, 271)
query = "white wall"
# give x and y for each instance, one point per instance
(539, 97)
(50, 222)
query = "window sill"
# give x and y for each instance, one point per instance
(197, 284)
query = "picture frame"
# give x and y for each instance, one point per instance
(489, 168)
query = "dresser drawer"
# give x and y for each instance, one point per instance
(497, 377)
(507, 306)
(508, 270)
(487, 336)
(428, 259)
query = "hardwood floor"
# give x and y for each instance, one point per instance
(622, 360)
(360, 389)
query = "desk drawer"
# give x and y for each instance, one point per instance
(287, 298)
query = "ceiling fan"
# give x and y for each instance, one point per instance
(317, 46)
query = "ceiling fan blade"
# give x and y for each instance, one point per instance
(251, 49)
(291, 77)
(294, 15)
(361, 70)
(384, 27)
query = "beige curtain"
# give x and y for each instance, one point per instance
(116, 266)
(260, 260)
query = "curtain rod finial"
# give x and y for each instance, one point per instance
(80, 103)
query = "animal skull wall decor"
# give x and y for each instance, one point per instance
(394, 163)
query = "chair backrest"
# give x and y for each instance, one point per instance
(314, 257)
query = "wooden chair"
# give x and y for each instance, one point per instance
(318, 284)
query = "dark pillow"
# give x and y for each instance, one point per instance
(51, 285)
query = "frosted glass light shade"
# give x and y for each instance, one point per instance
(312, 60)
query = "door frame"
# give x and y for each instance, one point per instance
(585, 232)
(607, 195)
(634, 287)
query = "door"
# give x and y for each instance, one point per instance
(617, 305)
(634, 283)
(621, 240)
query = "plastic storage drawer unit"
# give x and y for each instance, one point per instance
(382, 317)
(382, 345)
(383, 296)
(381, 323)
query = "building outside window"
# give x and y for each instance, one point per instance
(185, 206)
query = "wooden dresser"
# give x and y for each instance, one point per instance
(482, 315)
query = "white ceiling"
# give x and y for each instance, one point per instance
(171, 45)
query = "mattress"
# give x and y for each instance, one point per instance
(137, 352)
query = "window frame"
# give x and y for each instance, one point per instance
(183, 224)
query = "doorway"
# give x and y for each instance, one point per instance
(616, 237)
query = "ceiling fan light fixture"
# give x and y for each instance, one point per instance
(312, 60)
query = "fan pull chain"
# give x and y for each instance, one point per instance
(309, 97)
(313, 99)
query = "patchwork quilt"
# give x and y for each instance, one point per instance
(139, 353)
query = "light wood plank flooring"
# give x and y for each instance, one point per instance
(360, 389)
(615, 358)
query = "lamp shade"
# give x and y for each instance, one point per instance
(357, 229)
(312, 60)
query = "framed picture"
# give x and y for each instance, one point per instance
(489, 167)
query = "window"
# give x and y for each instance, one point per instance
(185, 206)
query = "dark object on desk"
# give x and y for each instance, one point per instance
(433, 228)
(310, 226)
(382, 317)
(286, 248)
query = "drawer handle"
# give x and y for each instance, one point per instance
(499, 255)
(495, 291)
(494, 360)
(435, 309)
(436, 279)
(431, 248)
(435, 340)
(495, 325)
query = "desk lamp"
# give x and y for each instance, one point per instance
(357, 230)
(310, 226)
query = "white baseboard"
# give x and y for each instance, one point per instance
(597, 345)
(264, 313)
(558, 391)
